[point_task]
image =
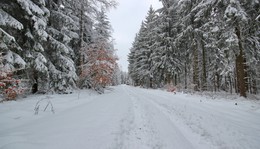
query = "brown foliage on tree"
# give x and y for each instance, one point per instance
(9, 86)
(100, 67)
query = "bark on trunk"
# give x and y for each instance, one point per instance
(81, 41)
(204, 71)
(195, 67)
(240, 66)
(185, 75)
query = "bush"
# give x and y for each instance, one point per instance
(9, 86)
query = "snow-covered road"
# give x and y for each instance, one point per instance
(131, 118)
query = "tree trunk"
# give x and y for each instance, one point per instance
(218, 81)
(230, 85)
(214, 83)
(185, 75)
(195, 66)
(151, 82)
(175, 79)
(168, 78)
(81, 41)
(250, 87)
(254, 87)
(204, 71)
(35, 83)
(240, 66)
(236, 83)
(246, 75)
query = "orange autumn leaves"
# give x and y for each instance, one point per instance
(100, 67)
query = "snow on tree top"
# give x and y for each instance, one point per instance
(30, 7)
(8, 20)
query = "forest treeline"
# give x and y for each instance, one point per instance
(205, 45)
(56, 45)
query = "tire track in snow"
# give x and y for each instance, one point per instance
(135, 129)
(200, 121)
(178, 117)
(159, 124)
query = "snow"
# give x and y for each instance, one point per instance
(62, 6)
(230, 11)
(38, 47)
(258, 18)
(66, 20)
(18, 60)
(6, 38)
(69, 33)
(40, 62)
(30, 7)
(12, 59)
(40, 26)
(215, 29)
(29, 34)
(8, 20)
(126, 117)
(68, 64)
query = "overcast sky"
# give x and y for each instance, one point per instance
(126, 20)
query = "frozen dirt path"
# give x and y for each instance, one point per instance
(131, 118)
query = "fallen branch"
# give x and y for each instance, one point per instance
(38, 104)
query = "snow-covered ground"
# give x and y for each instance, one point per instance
(126, 117)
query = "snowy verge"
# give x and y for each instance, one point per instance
(22, 111)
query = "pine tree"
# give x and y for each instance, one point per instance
(252, 43)
(8, 44)
(170, 62)
(43, 39)
(62, 30)
(29, 34)
(133, 63)
(185, 42)
(236, 21)
(152, 23)
(85, 11)
(220, 36)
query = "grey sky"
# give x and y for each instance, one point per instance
(126, 20)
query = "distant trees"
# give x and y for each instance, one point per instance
(141, 58)
(210, 45)
(44, 40)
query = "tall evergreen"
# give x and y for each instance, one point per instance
(31, 37)
(141, 68)
(42, 40)
(203, 45)
(62, 32)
